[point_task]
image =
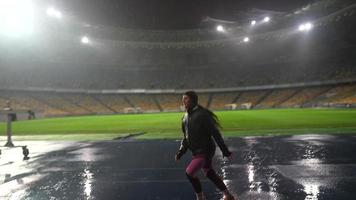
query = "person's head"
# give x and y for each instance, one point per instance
(190, 99)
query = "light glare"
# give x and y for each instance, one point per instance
(301, 27)
(308, 26)
(220, 28)
(253, 22)
(85, 40)
(305, 27)
(50, 11)
(54, 13)
(246, 39)
(16, 17)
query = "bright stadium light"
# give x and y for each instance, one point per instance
(266, 19)
(220, 28)
(51, 11)
(253, 22)
(54, 13)
(308, 26)
(85, 40)
(246, 39)
(16, 17)
(305, 27)
(301, 27)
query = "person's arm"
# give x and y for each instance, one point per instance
(183, 145)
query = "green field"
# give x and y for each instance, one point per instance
(167, 125)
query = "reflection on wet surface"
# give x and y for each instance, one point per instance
(290, 167)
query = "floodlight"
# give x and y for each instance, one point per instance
(85, 40)
(301, 27)
(220, 28)
(51, 11)
(246, 39)
(266, 19)
(305, 27)
(54, 13)
(253, 22)
(16, 17)
(308, 26)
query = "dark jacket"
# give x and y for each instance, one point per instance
(199, 131)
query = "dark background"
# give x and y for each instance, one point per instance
(168, 14)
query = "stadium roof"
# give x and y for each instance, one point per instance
(170, 14)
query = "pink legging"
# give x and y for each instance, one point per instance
(202, 162)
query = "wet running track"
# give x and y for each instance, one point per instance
(288, 167)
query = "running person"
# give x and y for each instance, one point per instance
(200, 127)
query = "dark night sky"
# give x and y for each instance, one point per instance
(166, 14)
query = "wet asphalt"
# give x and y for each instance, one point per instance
(308, 167)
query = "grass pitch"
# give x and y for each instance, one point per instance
(167, 125)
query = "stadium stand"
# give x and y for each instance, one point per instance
(88, 103)
(146, 103)
(147, 71)
(303, 96)
(347, 97)
(14, 105)
(170, 102)
(25, 101)
(204, 99)
(220, 100)
(48, 104)
(335, 93)
(276, 97)
(61, 103)
(250, 97)
(348, 100)
(115, 102)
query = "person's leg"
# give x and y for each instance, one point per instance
(211, 174)
(194, 166)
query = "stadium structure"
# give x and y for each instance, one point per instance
(304, 58)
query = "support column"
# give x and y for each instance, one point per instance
(8, 130)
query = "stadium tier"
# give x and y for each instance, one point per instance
(116, 103)
(46, 104)
(303, 96)
(220, 100)
(120, 70)
(276, 97)
(169, 102)
(280, 56)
